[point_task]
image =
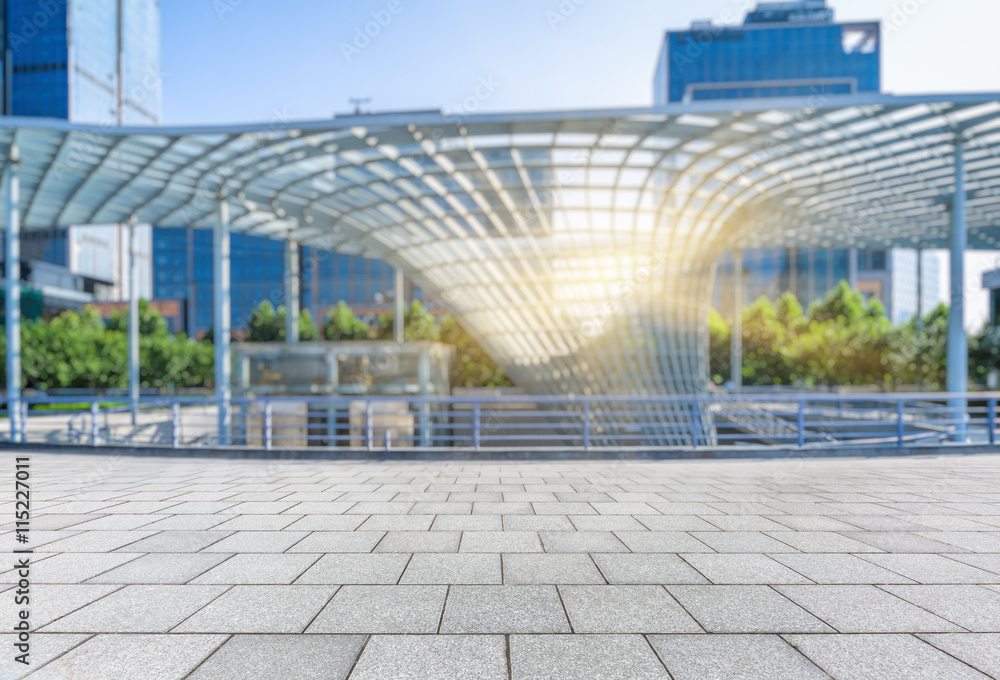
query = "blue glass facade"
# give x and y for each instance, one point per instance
(183, 268)
(785, 49)
(773, 59)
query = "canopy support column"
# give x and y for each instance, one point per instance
(399, 316)
(736, 333)
(958, 347)
(13, 311)
(222, 304)
(292, 286)
(133, 323)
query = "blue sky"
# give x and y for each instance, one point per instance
(254, 60)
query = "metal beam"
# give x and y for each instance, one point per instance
(292, 287)
(736, 334)
(958, 346)
(399, 316)
(133, 323)
(13, 311)
(222, 304)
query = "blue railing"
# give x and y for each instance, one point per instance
(519, 422)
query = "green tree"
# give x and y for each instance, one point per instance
(342, 324)
(419, 324)
(473, 367)
(267, 324)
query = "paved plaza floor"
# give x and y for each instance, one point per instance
(233, 569)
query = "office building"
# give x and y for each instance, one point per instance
(791, 49)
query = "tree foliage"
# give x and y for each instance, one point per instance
(267, 324)
(342, 324)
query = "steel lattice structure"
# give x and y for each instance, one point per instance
(578, 247)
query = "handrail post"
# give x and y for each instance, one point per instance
(586, 426)
(175, 425)
(695, 423)
(268, 428)
(900, 423)
(800, 423)
(476, 422)
(388, 439)
(95, 423)
(991, 418)
(370, 425)
(24, 422)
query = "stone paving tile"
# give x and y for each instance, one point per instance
(605, 523)
(259, 609)
(903, 542)
(570, 657)
(445, 508)
(661, 542)
(177, 542)
(985, 562)
(303, 657)
(504, 609)
(674, 523)
(186, 522)
(972, 607)
(164, 568)
(973, 541)
(445, 569)
(137, 609)
(933, 569)
(326, 523)
(500, 541)
(639, 569)
(51, 602)
(745, 609)
(581, 542)
(138, 657)
(733, 657)
(257, 523)
(361, 569)
(881, 657)
(812, 523)
(745, 523)
(339, 508)
(504, 509)
(558, 523)
(550, 569)
(735, 569)
(96, 541)
(263, 569)
(838, 569)
(865, 609)
(468, 523)
(75, 568)
(420, 542)
(44, 648)
(742, 542)
(385, 523)
(625, 609)
(981, 651)
(257, 542)
(382, 609)
(450, 657)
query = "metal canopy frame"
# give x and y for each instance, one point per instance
(578, 246)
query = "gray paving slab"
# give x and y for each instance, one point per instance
(137, 609)
(733, 657)
(662, 542)
(865, 609)
(420, 542)
(558, 523)
(673, 523)
(903, 542)
(138, 657)
(446, 569)
(571, 657)
(385, 523)
(581, 542)
(504, 609)
(262, 569)
(382, 609)
(384, 569)
(647, 569)
(44, 648)
(745, 523)
(550, 569)
(430, 657)
(257, 542)
(986, 562)
(981, 651)
(327, 523)
(76, 568)
(972, 607)
(742, 542)
(734, 569)
(606, 523)
(257, 523)
(51, 602)
(932, 569)
(264, 657)
(259, 609)
(746, 609)
(625, 609)
(881, 657)
(501, 542)
(164, 568)
(838, 569)
(468, 523)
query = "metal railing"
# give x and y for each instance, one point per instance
(520, 422)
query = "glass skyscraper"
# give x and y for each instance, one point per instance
(788, 49)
